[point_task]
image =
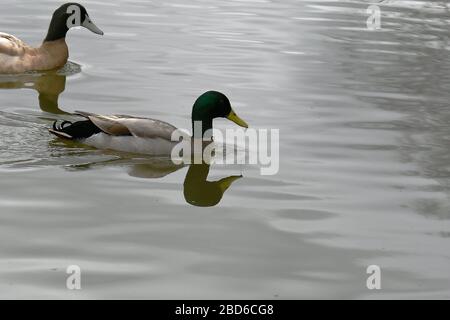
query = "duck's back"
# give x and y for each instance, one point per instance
(12, 53)
(10, 45)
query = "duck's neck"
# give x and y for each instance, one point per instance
(200, 127)
(57, 30)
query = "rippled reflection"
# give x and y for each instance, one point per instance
(200, 192)
(49, 85)
(197, 190)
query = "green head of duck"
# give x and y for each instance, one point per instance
(211, 105)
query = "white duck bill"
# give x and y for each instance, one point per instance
(88, 24)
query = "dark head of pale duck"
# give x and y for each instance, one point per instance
(67, 16)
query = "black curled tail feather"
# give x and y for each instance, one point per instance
(61, 126)
(75, 130)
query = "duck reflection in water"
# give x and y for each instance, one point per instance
(200, 192)
(49, 86)
(197, 190)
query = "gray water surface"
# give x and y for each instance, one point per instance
(364, 153)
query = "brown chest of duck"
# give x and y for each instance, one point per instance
(18, 57)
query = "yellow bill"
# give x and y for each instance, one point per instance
(234, 117)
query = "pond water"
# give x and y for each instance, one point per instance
(364, 173)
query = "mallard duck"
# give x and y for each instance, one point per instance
(143, 135)
(18, 57)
